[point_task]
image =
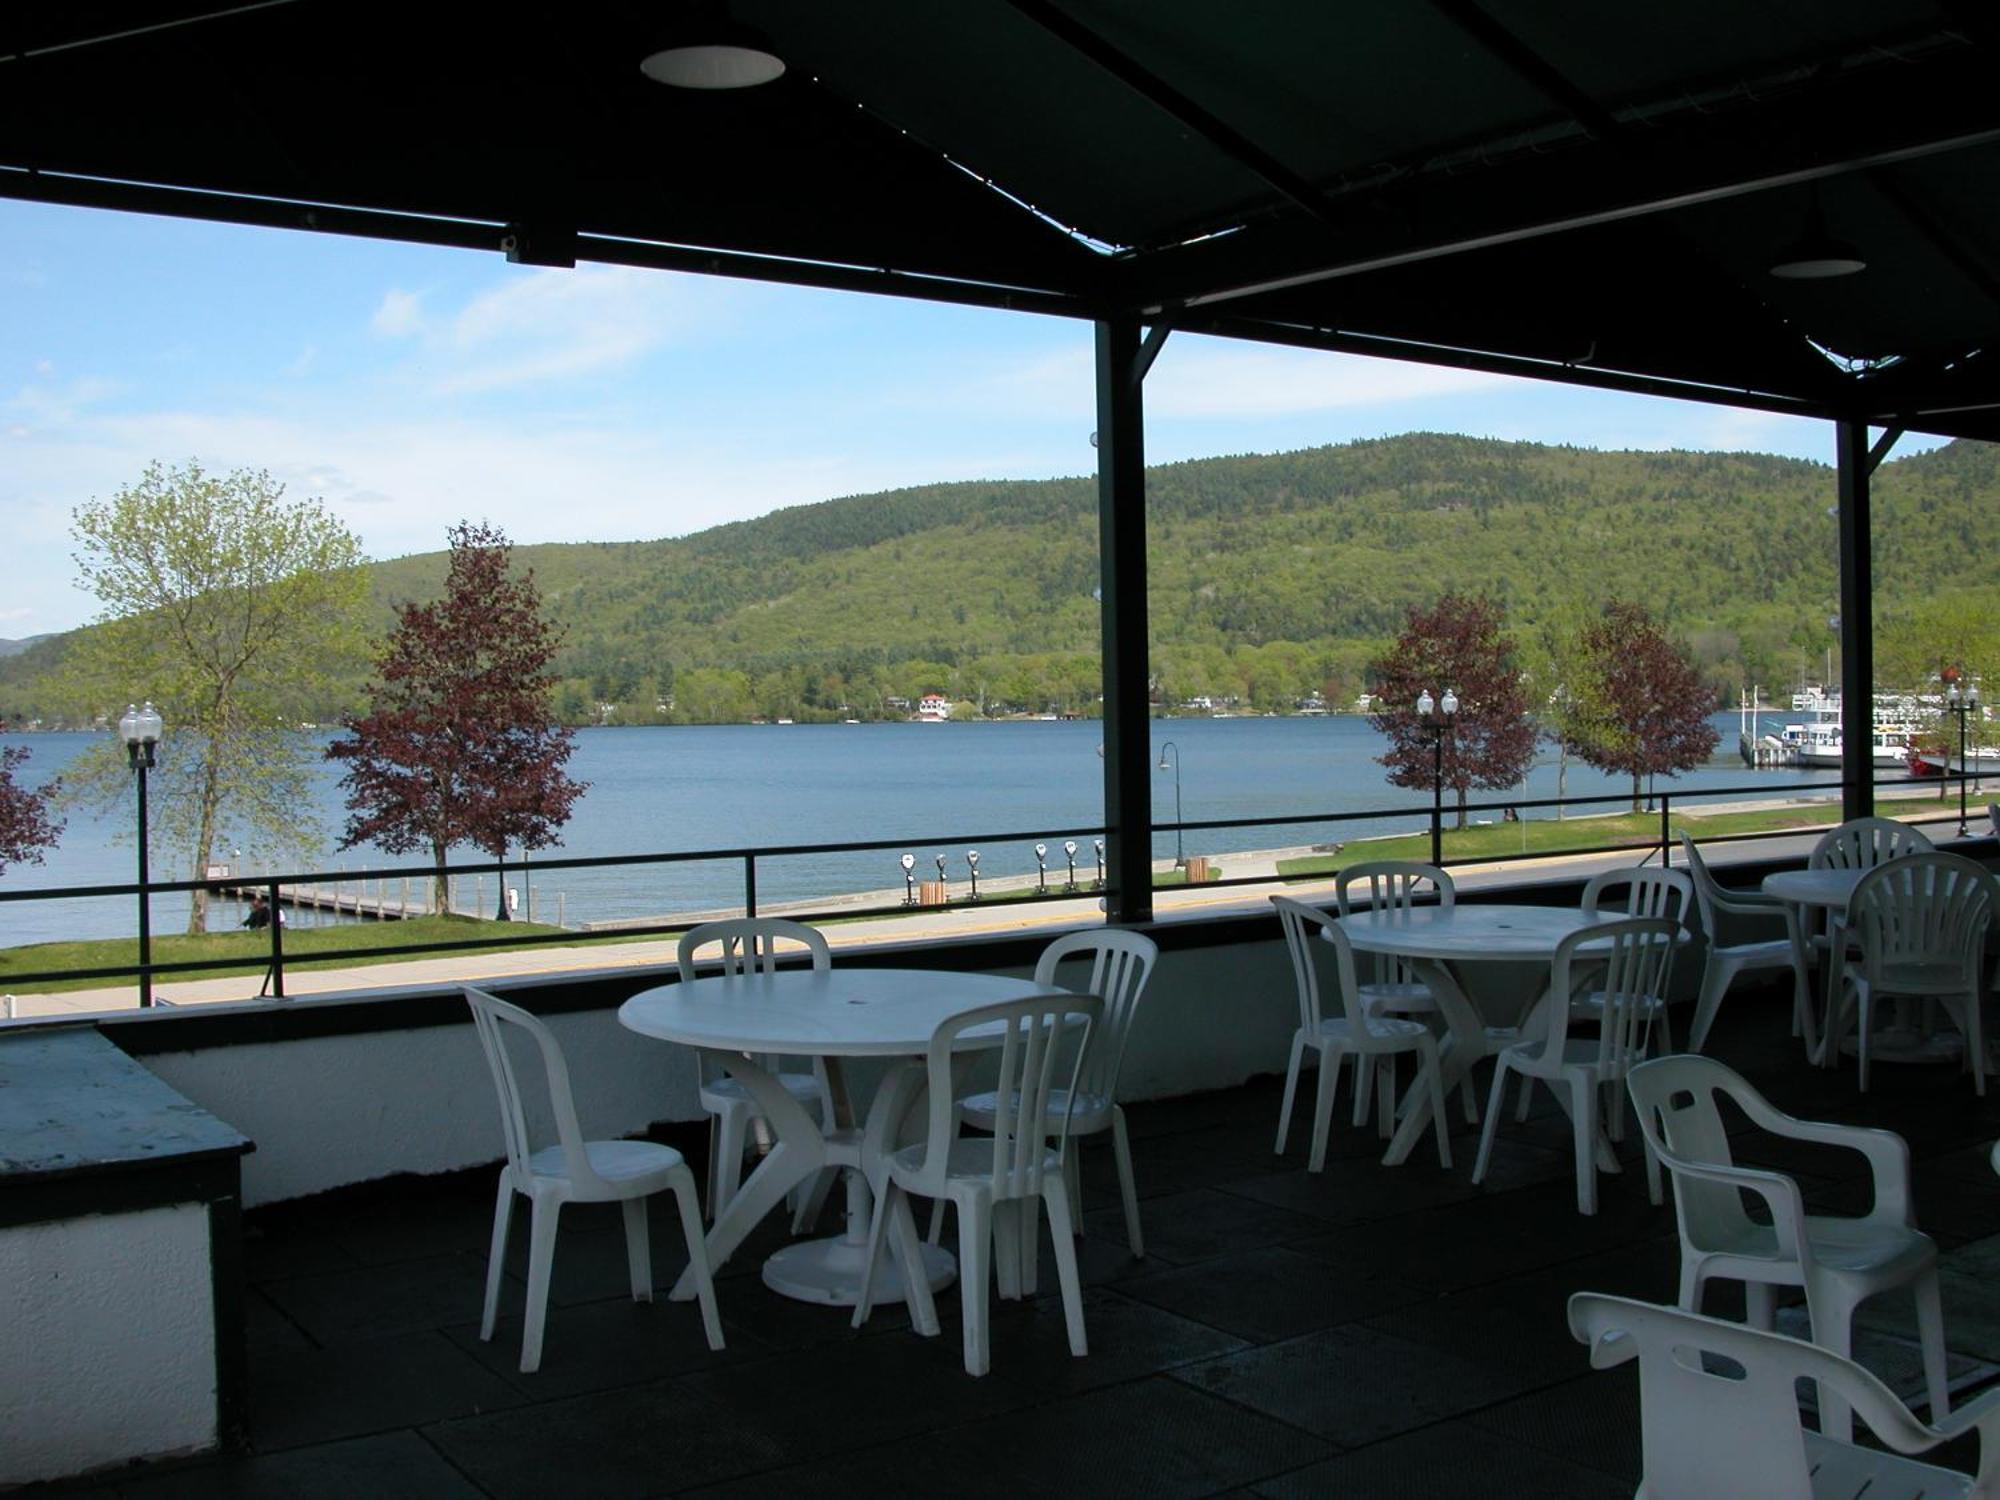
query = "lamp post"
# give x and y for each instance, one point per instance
(909, 863)
(140, 729)
(1437, 716)
(1180, 851)
(1962, 706)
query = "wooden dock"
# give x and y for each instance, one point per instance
(383, 899)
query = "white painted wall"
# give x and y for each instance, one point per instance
(107, 1342)
(333, 1111)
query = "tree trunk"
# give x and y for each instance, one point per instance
(1638, 805)
(440, 882)
(1461, 809)
(204, 844)
(1562, 782)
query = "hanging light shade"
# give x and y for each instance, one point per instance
(1816, 255)
(711, 51)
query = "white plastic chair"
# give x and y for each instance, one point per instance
(1628, 963)
(1389, 985)
(1863, 843)
(1727, 960)
(574, 1170)
(1838, 1262)
(1120, 964)
(1719, 1410)
(988, 1180)
(751, 944)
(1916, 929)
(1374, 1041)
(1639, 892)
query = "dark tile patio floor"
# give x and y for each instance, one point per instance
(1368, 1331)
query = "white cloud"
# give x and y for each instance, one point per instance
(21, 612)
(1206, 380)
(399, 314)
(541, 326)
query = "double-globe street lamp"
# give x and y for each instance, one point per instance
(1962, 706)
(1437, 715)
(140, 729)
(1180, 849)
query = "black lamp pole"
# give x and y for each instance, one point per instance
(1962, 705)
(1180, 849)
(140, 729)
(1436, 715)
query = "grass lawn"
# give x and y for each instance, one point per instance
(305, 948)
(1550, 836)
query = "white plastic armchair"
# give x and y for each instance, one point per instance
(573, 1170)
(1374, 1041)
(1838, 1262)
(1725, 961)
(1719, 1413)
(1916, 929)
(988, 1179)
(1115, 966)
(746, 944)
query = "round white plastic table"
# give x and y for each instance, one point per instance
(832, 1015)
(1904, 1040)
(1432, 939)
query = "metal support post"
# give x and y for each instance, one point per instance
(1121, 529)
(1857, 619)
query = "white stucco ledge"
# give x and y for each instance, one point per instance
(120, 1262)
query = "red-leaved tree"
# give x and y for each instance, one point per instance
(460, 744)
(25, 826)
(1646, 710)
(1458, 643)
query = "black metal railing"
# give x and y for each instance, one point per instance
(280, 890)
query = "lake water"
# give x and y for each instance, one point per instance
(935, 785)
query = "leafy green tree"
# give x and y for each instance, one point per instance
(233, 609)
(459, 744)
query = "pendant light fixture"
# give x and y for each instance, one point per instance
(1816, 255)
(708, 50)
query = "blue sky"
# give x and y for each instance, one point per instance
(410, 387)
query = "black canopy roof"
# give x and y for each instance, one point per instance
(1568, 188)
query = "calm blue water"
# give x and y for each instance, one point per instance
(729, 786)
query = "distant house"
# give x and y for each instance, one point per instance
(934, 708)
(1365, 703)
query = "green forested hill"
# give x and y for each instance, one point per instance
(1273, 576)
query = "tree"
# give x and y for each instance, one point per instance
(1648, 709)
(460, 744)
(25, 826)
(1458, 643)
(233, 609)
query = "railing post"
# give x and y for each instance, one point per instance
(749, 885)
(1666, 832)
(277, 974)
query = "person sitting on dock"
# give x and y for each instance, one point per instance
(259, 914)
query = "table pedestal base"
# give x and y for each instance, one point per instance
(829, 1272)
